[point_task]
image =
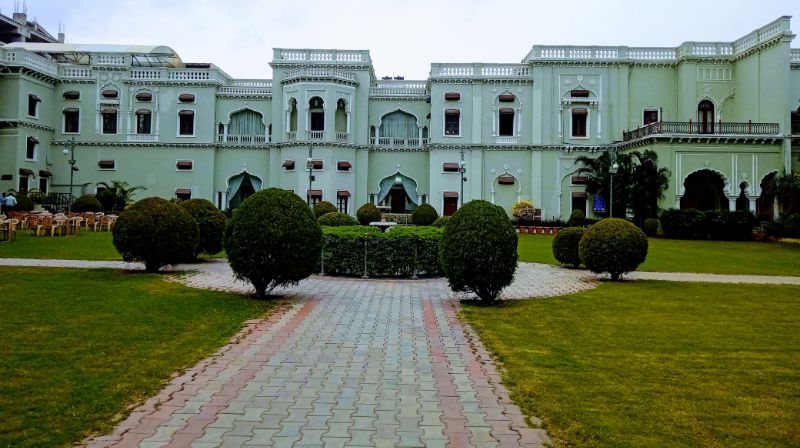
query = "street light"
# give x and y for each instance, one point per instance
(612, 170)
(462, 169)
(69, 150)
(310, 167)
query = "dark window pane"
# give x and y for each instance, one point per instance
(507, 124)
(451, 125)
(109, 123)
(186, 124)
(71, 120)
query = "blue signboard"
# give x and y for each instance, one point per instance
(599, 204)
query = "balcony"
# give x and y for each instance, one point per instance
(399, 88)
(394, 141)
(320, 74)
(320, 56)
(142, 138)
(479, 70)
(242, 139)
(703, 129)
(291, 136)
(315, 135)
(342, 137)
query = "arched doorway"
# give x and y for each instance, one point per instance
(398, 193)
(765, 204)
(241, 187)
(705, 117)
(704, 190)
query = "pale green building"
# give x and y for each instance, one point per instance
(722, 116)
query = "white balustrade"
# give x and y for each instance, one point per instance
(507, 140)
(145, 74)
(291, 136)
(652, 54)
(189, 75)
(316, 135)
(342, 137)
(245, 90)
(397, 141)
(30, 60)
(320, 73)
(242, 139)
(262, 83)
(76, 72)
(142, 138)
(334, 56)
(108, 59)
(795, 56)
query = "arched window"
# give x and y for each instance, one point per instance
(293, 115)
(705, 117)
(398, 127)
(316, 114)
(248, 123)
(341, 116)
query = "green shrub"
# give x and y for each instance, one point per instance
(479, 250)
(399, 252)
(686, 224)
(711, 224)
(273, 239)
(24, 203)
(87, 203)
(155, 232)
(323, 208)
(522, 212)
(787, 226)
(441, 221)
(613, 245)
(424, 215)
(404, 219)
(337, 219)
(650, 226)
(211, 222)
(576, 219)
(566, 246)
(368, 213)
(733, 226)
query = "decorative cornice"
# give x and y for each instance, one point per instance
(397, 98)
(235, 96)
(317, 79)
(291, 65)
(11, 123)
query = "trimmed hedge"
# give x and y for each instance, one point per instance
(156, 232)
(273, 240)
(211, 222)
(424, 215)
(323, 208)
(368, 213)
(613, 245)
(479, 250)
(787, 226)
(399, 252)
(441, 221)
(576, 219)
(691, 224)
(566, 246)
(337, 219)
(650, 226)
(87, 203)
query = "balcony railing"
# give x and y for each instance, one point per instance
(342, 137)
(479, 70)
(399, 88)
(395, 141)
(507, 140)
(242, 139)
(142, 138)
(291, 136)
(316, 135)
(699, 128)
(323, 56)
(320, 73)
(23, 58)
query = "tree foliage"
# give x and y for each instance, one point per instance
(211, 222)
(118, 195)
(613, 245)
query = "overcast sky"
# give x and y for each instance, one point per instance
(403, 36)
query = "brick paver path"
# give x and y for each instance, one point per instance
(348, 362)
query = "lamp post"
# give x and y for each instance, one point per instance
(69, 150)
(310, 167)
(613, 169)
(462, 169)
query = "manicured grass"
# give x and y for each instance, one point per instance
(712, 257)
(654, 364)
(79, 346)
(85, 246)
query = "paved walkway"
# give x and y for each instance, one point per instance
(348, 362)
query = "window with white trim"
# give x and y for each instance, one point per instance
(650, 116)
(144, 121)
(452, 122)
(186, 123)
(72, 120)
(579, 122)
(31, 148)
(33, 105)
(109, 120)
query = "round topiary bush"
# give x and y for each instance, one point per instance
(155, 232)
(24, 203)
(576, 219)
(337, 219)
(566, 246)
(613, 245)
(441, 221)
(87, 203)
(211, 222)
(522, 212)
(479, 250)
(273, 239)
(424, 215)
(368, 213)
(650, 226)
(323, 208)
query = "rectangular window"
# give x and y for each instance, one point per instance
(341, 201)
(184, 194)
(579, 117)
(579, 201)
(314, 197)
(23, 184)
(71, 121)
(184, 165)
(452, 122)
(43, 181)
(186, 123)
(506, 122)
(33, 106)
(317, 121)
(650, 116)
(143, 121)
(109, 121)
(108, 164)
(31, 148)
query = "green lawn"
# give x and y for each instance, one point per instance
(713, 257)
(80, 346)
(85, 246)
(654, 364)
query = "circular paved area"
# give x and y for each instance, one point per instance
(348, 362)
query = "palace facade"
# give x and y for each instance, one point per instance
(722, 116)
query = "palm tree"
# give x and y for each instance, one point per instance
(649, 184)
(118, 195)
(787, 188)
(596, 170)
